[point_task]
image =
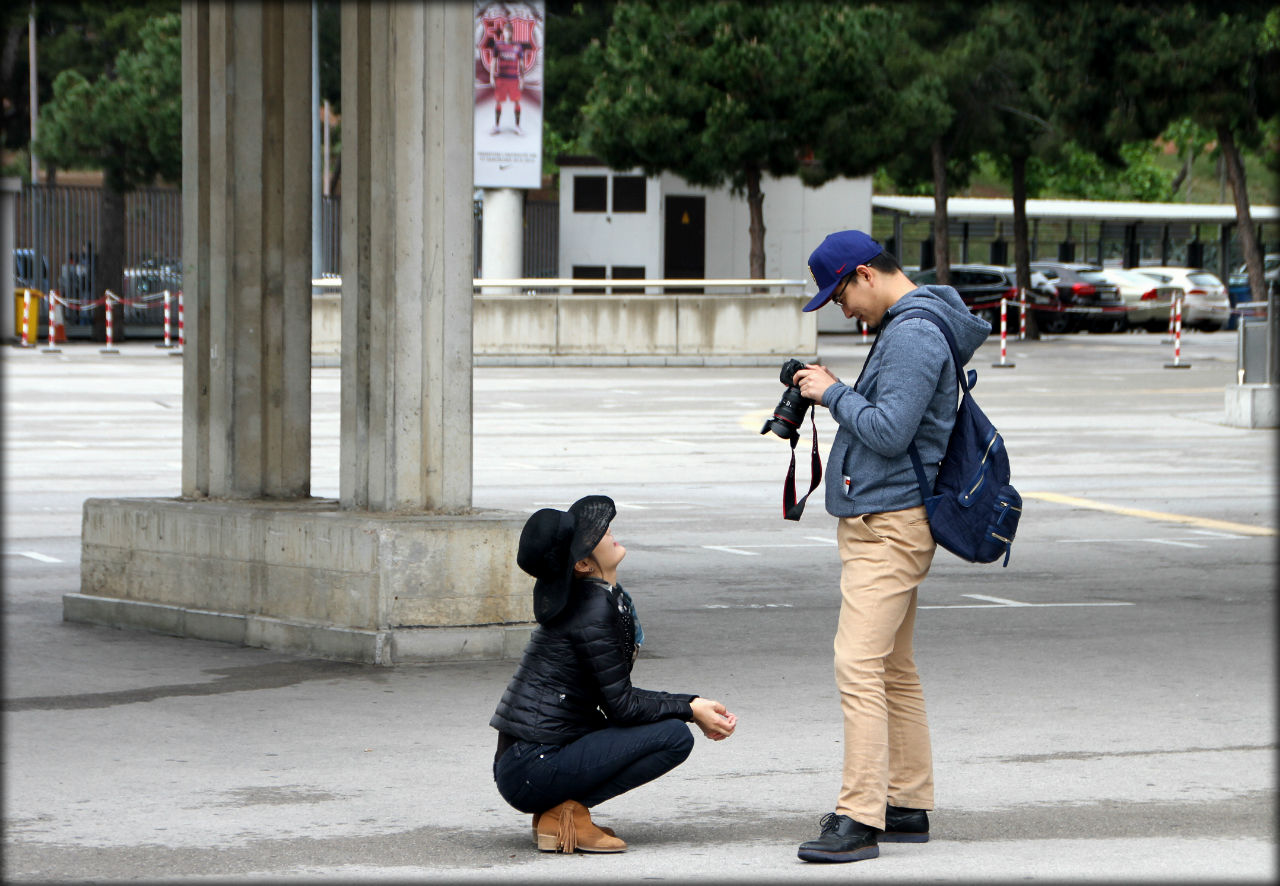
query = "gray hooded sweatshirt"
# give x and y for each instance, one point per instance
(908, 390)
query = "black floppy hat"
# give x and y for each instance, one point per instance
(552, 541)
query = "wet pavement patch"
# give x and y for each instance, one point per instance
(274, 675)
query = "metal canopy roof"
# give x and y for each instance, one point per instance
(1077, 210)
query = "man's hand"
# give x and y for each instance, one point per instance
(814, 380)
(713, 719)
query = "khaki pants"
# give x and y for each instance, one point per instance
(887, 757)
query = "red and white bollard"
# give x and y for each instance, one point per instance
(1022, 313)
(1177, 338)
(864, 331)
(168, 337)
(53, 324)
(26, 319)
(182, 334)
(107, 298)
(1004, 337)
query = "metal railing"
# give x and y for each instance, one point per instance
(58, 233)
(620, 286)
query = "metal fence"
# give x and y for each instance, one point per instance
(987, 241)
(57, 237)
(58, 234)
(541, 239)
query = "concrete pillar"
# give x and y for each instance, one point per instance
(10, 188)
(502, 235)
(246, 250)
(406, 256)
(436, 581)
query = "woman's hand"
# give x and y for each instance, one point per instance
(713, 719)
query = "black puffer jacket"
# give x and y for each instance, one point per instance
(575, 675)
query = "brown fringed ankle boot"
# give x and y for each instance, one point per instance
(568, 828)
(538, 815)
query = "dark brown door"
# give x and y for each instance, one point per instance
(684, 241)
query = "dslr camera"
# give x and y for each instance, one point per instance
(788, 415)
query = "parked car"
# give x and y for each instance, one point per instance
(1238, 283)
(1146, 302)
(1081, 286)
(1205, 305)
(24, 275)
(982, 287)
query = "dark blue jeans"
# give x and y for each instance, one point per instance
(594, 768)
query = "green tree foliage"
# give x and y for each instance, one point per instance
(724, 92)
(861, 94)
(1012, 111)
(70, 36)
(1191, 140)
(127, 121)
(573, 27)
(1070, 171)
(985, 59)
(1134, 69)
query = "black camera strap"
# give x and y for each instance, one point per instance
(792, 509)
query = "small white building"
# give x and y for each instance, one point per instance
(623, 225)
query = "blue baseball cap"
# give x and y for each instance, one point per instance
(835, 258)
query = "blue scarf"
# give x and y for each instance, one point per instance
(638, 635)
(635, 619)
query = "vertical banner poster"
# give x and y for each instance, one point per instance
(509, 41)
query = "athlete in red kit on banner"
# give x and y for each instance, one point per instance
(506, 75)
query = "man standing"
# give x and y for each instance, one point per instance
(506, 75)
(907, 391)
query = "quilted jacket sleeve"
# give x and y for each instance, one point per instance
(604, 656)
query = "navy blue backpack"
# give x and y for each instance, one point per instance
(973, 510)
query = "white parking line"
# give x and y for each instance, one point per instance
(746, 606)
(1154, 541)
(743, 549)
(729, 550)
(34, 555)
(1204, 533)
(1003, 603)
(1001, 600)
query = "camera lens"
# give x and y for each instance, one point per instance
(788, 415)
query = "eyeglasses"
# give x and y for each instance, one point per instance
(838, 298)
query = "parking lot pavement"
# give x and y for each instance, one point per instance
(1102, 709)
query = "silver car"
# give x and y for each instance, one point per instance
(1146, 301)
(1205, 305)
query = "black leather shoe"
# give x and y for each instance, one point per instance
(843, 839)
(903, 825)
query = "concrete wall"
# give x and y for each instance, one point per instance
(306, 576)
(731, 327)
(10, 187)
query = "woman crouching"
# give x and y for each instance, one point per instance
(572, 730)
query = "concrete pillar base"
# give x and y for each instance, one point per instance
(1251, 406)
(308, 578)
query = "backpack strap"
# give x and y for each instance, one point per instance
(916, 463)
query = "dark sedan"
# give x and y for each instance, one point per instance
(1081, 286)
(982, 287)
